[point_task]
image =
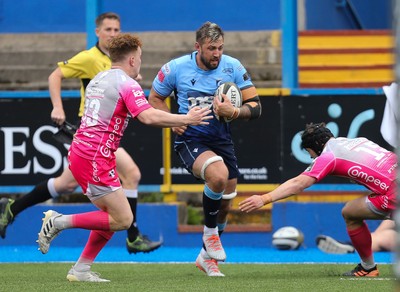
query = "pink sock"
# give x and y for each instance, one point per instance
(97, 240)
(362, 241)
(96, 220)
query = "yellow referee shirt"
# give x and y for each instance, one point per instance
(85, 66)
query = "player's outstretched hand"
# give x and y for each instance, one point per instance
(252, 203)
(199, 116)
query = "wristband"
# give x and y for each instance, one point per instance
(235, 114)
(234, 111)
(238, 113)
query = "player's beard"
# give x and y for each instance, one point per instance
(208, 64)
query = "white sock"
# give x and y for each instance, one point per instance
(131, 193)
(63, 222)
(369, 264)
(210, 231)
(52, 188)
(82, 266)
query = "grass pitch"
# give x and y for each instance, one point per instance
(186, 277)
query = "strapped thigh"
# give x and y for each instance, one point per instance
(207, 163)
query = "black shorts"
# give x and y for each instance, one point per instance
(189, 150)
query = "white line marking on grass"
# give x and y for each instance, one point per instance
(368, 279)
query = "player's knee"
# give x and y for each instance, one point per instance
(218, 183)
(135, 174)
(217, 179)
(345, 212)
(126, 221)
(348, 215)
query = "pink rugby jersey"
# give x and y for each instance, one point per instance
(360, 160)
(112, 97)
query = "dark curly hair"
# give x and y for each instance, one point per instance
(315, 137)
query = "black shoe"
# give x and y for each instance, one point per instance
(6, 216)
(142, 244)
(329, 245)
(359, 271)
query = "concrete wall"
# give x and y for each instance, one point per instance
(69, 16)
(26, 60)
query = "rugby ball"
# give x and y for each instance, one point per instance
(232, 92)
(287, 238)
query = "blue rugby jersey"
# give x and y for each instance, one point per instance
(193, 86)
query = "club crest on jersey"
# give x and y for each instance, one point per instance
(227, 70)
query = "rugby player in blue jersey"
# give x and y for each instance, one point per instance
(207, 152)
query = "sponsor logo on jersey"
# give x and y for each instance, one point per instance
(357, 173)
(141, 102)
(167, 69)
(393, 167)
(94, 92)
(201, 101)
(138, 93)
(385, 202)
(95, 171)
(105, 150)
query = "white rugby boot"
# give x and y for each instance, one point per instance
(48, 231)
(208, 266)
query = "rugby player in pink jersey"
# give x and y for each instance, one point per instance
(360, 160)
(112, 98)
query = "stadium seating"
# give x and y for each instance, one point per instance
(327, 59)
(344, 59)
(26, 60)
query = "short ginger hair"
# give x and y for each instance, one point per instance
(122, 45)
